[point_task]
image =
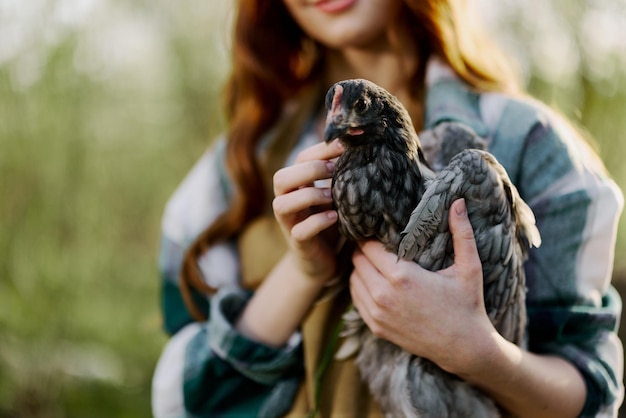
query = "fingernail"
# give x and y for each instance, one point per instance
(460, 208)
(327, 193)
(332, 215)
(330, 166)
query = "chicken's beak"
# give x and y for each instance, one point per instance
(336, 128)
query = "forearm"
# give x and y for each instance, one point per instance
(279, 305)
(527, 384)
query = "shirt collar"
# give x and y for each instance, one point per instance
(449, 99)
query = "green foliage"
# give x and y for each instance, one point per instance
(85, 171)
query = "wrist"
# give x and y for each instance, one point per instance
(493, 364)
(472, 352)
(527, 384)
(280, 304)
(495, 369)
(311, 276)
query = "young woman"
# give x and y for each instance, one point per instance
(253, 285)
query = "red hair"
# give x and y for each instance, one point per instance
(273, 62)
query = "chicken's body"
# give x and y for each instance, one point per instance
(383, 189)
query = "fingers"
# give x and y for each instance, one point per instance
(313, 225)
(304, 213)
(367, 277)
(321, 151)
(363, 286)
(397, 272)
(299, 200)
(378, 285)
(303, 210)
(312, 164)
(377, 273)
(465, 252)
(299, 175)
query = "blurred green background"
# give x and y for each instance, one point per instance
(105, 105)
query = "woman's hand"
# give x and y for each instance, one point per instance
(304, 211)
(438, 315)
(441, 316)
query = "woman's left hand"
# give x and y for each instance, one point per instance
(438, 315)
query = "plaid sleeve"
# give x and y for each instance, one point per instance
(210, 369)
(573, 310)
(225, 371)
(207, 369)
(201, 197)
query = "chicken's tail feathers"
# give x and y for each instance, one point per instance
(521, 211)
(526, 218)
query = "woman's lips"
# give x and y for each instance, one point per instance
(334, 6)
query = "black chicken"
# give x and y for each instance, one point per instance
(384, 189)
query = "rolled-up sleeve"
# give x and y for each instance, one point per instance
(210, 368)
(234, 369)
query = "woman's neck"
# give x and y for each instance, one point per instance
(386, 63)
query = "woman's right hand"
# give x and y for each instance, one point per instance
(304, 211)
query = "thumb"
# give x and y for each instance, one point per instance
(465, 252)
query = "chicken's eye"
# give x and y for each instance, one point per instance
(361, 105)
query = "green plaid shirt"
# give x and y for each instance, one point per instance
(209, 369)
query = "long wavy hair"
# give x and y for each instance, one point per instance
(274, 60)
